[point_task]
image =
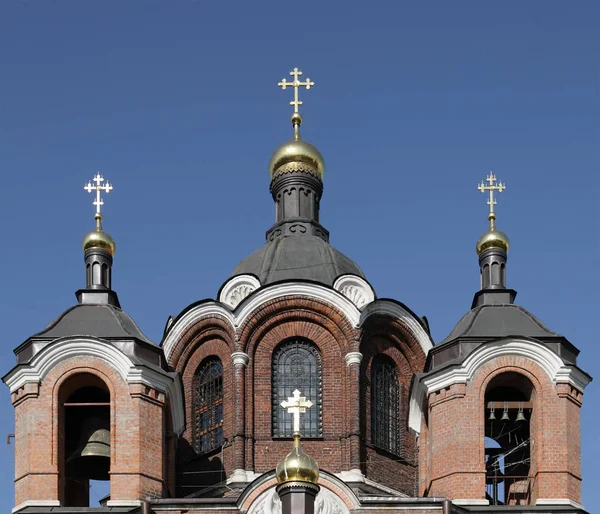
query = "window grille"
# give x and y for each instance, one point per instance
(385, 406)
(297, 365)
(208, 406)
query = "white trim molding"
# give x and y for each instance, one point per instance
(463, 373)
(559, 501)
(248, 306)
(240, 358)
(353, 358)
(407, 318)
(237, 288)
(36, 503)
(56, 352)
(471, 501)
(356, 289)
(123, 503)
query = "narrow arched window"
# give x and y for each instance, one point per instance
(208, 406)
(296, 365)
(385, 405)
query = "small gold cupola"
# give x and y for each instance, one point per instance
(297, 466)
(98, 239)
(492, 238)
(296, 155)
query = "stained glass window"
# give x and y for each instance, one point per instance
(385, 406)
(297, 365)
(208, 406)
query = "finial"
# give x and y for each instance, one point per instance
(284, 84)
(491, 179)
(98, 187)
(98, 238)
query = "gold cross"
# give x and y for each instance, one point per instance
(295, 84)
(491, 179)
(98, 187)
(296, 405)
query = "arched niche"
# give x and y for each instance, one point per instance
(84, 437)
(510, 418)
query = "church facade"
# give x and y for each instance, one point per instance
(486, 420)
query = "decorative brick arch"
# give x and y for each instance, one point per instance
(272, 327)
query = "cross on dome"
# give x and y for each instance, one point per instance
(296, 405)
(491, 180)
(295, 84)
(98, 188)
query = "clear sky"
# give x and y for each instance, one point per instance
(176, 103)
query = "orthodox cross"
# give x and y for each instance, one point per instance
(295, 84)
(296, 405)
(98, 187)
(491, 180)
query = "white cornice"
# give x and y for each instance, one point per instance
(240, 314)
(43, 362)
(551, 363)
(395, 310)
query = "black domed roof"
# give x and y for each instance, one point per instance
(297, 257)
(497, 321)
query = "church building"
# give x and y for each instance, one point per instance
(297, 373)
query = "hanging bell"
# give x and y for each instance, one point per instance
(91, 459)
(520, 415)
(505, 413)
(492, 414)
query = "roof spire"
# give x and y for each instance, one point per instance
(491, 180)
(284, 84)
(492, 247)
(99, 250)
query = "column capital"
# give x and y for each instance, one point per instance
(353, 358)
(239, 358)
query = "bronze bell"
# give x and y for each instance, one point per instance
(91, 459)
(520, 415)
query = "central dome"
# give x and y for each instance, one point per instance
(297, 257)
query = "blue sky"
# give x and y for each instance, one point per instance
(176, 103)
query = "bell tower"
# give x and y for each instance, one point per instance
(93, 398)
(510, 388)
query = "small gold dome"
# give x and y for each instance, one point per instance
(297, 151)
(492, 239)
(297, 466)
(99, 239)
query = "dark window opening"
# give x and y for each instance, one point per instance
(385, 406)
(208, 406)
(508, 418)
(297, 365)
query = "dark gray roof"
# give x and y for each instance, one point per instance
(297, 257)
(498, 321)
(98, 320)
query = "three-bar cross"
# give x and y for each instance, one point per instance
(491, 180)
(98, 187)
(295, 84)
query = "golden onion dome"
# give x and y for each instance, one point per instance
(296, 155)
(297, 466)
(99, 239)
(492, 239)
(292, 155)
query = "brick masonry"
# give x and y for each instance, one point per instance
(148, 460)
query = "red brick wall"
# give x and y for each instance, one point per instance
(136, 434)
(271, 324)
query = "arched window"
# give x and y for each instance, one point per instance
(385, 405)
(509, 419)
(297, 365)
(208, 406)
